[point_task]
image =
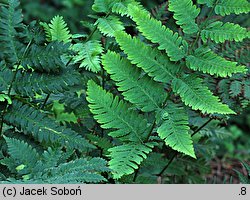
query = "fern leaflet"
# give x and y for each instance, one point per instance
(153, 30)
(144, 92)
(220, 32)
(207, 61)
(193, 93)
(115, 114)
(126, 158)
(174, 129)
(185, 13)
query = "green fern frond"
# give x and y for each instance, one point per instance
(235, 88)
(100, 142)
(220, 32)
(10, 20)
(108, 26)
(174, 129)
(126, 158)
(151, 60)
(21, 152)
(46, 58)
(6, 76)
(88, 54)
(143, 92)
(194, 94)
(121, 8)
(47, 31)
(207, 61)
(113, 113)
(44, 129)
(185, 13)
(227, 7)
(76, 171)
(153, 30)
(103, 5)
(30, 84)
(59, 30)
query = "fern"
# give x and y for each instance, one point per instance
(32, 121)
(30, 84)
(46, 58)
(57, 30)
(194, 94)
(149, 59)
(103, 5)
(108, 26)
(206, 61)
(219, 32)
(126, 158)
(88, 55)
(10, 20)
(185, 13)
(227, 7)
(144, 92)
(112, 113)
(22, 153)
(153, 30)
(174, 129)
(6, 76)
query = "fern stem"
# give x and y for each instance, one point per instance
(205, 24)
(176, 152)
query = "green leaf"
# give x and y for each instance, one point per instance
(207, 61)
(126, 158)
(174, 129)
(108, 26)
(185, 13)
(196, 95)
(88, 55)
(143, 92)
(219, 32)
(153, 30)
(113, 113)
(227, 7)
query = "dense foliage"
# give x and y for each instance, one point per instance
(133, 97)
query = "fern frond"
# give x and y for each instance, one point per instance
(10, 20)
(194, 94)
(30, 84)
(227, 7)
(108, 26)
(143, 92)
(76, 171)
(36, 123)
(100, 142)
(126, 158)
(209, 3)
(121, 8)
(88, 55)
(220, 32)
(174, 129)
(46, 58)
(151, 60)
(59, 30)
(103, 5)
(185, 13)
(47, 31)
(207, 61)
(115, 114)
(21, 152)
(153, 30)
(6, 76)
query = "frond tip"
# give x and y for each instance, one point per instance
(126, 158)
(185, 13)
(174, 129)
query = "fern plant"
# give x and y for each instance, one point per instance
(142, 93)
